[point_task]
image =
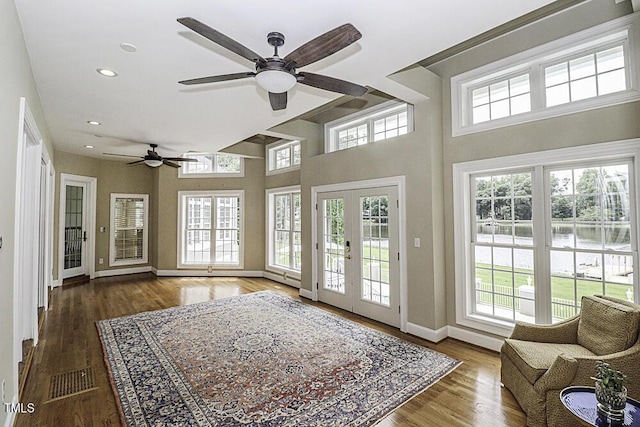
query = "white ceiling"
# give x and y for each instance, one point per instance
(68, 40)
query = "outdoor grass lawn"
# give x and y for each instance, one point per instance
(562, 287)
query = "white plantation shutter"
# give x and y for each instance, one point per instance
(128, 229)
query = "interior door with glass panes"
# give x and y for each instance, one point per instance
(358, 252)
(75, 229)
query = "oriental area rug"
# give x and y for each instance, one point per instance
(260, 359)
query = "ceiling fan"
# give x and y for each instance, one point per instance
(153, 159)
(277, 75)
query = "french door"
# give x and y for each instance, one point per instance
(358, 252)
(75, 229)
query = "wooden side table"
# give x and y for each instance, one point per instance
(581, 401)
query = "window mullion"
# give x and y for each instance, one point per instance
(213, 218)
(541, 197)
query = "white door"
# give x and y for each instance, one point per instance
(358, 252)
(75, 229)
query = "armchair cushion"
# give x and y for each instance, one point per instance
(606, 326)
(533, 359)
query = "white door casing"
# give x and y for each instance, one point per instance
(354, 298)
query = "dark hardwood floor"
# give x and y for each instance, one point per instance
(470, 396)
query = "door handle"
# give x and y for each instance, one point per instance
(84, 236)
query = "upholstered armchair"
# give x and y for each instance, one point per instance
(538, 361)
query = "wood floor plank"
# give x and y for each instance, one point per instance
(470, 396)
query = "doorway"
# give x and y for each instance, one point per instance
(357, 236)
(77, 219)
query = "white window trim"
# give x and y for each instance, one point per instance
(367, 115)
(182, 195)
(271, 160)
(239, 174)
(270, 223)
(625, 29)
(145, 242)
(462, 210)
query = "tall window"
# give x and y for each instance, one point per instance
(284, 233)
(590, 235)
(503, 245)
(585, 70)
(378, 123)
(282, 157)
(535, 233)
(208, 165)
(211, 230)
(129, 233)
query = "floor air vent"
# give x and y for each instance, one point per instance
(70, 383)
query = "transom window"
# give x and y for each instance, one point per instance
(501, 99)
(535, 233)
(586, 70)
(378, 123)
(595, 74)
(283, 156)
(219, 164)
(211, 228)
(129, 232)
(284, 234)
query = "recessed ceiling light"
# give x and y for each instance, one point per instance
(128, 47)
(106, 73)
(93, 122)
(89, 146)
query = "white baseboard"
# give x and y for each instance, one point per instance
(277, 277)
(475, 338)
(433, 335)
(305, 293)
(205, 273)
(122, 271)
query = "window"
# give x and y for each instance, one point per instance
(211, 228)
(586, 70)
(129, 232)
(596, 74)
(209, 165)
(283, 156)
(381, 122)
(284, 229)
(501, 99)
(534, 233)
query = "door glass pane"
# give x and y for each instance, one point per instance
(374, 227)
(73, 227)
(334, 245)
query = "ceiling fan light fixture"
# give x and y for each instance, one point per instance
(107, 73)
(275, 81)
(153, 163)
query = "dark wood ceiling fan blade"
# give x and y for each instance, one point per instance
(278, 100)
(331, 84)
(219, 38)
(215, 79)
(168, 163)
(180, 159)
(136, 162)
(122, 155)
(324, 45)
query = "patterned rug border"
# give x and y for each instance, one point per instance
(375, 415)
